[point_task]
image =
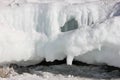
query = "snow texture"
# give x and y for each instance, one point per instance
(84, 30)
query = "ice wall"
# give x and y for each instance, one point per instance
(105, 42)
(18, 35)
(31, 31)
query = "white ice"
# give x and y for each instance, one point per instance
(102, 42)
(30, 31)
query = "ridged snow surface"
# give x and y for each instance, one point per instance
(84, 30)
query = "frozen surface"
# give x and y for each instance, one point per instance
(33, 30)
(61, 72)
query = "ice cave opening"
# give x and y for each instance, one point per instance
(71, 24)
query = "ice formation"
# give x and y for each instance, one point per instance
(84, 30)
(102, 42)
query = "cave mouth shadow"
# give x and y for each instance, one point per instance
(71, 24)
(78, 69)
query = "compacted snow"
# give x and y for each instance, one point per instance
(84, 30)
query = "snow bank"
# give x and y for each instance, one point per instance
(102, 43)
(31, 31)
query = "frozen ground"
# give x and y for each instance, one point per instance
(60, 71)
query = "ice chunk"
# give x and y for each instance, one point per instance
(95, 45)
(107, 35)
(18, 36)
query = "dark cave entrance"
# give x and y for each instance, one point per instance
(71, 24)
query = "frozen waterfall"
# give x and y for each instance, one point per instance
(88, 31)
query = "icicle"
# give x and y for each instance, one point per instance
(69, 59)
(99, 47)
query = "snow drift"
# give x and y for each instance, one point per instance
(31, 31)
